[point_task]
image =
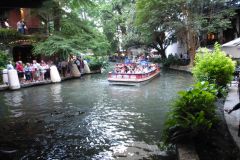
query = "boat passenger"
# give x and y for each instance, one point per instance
(145, 70)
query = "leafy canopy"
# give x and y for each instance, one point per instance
(76, 36)
(186, 19)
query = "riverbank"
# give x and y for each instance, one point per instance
(4, 87)
(181, 68)
(219, 143)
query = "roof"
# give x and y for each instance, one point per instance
(235, 42)
(232, 48)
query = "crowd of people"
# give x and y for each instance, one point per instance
(33, 72)
(21, 25)
(134, 68)
(137, 65)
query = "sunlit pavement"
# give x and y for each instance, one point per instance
(233, 119)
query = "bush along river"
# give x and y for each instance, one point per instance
(87, 118)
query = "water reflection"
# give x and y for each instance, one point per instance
(56, 91)
(111, 123)
(14, 100)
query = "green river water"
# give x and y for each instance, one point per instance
(87, 118)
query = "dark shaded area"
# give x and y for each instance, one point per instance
(21, 3)
(24, 53)
(218, 144)
(18, 136)
(35, 138)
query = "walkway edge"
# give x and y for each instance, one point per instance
(233, 119)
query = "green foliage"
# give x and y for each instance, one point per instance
(173, 60)
(214, 66)
(76, 36)
(96, 63)
(192, 114)
(55, 45)
(8, 35)
(115, 18)
(4, 58)
(187, 19)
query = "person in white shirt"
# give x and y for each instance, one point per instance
(6, 24)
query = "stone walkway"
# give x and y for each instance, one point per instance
(233, 119)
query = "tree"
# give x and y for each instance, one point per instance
(133, 35)
(75, 36)
(187, 19)
(52, 10)
(113, 19)
(47, 13)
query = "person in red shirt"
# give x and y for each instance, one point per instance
(20, 70)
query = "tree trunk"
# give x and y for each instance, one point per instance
(57, 18)
(192, 53)
(161, 51)
(163, 54)
(193, 44)
(47, 28)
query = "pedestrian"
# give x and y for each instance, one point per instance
(36, 72)
(6, 24)
(236, 107)
(19, 26)
(9, 65)
(81, 65)
(20, 71)
(24, 27)
(78, 63)
(27, 70)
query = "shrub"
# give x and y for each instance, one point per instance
(169, 61)
(173, 60)
(8, 35)
(214, 66)
(4, 58)
(96, 63)
(192, 114)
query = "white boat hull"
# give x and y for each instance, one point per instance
(132, 79)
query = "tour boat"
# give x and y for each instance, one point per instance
(132, 79)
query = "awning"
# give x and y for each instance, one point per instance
(232, 48)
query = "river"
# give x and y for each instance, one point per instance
(87, 118)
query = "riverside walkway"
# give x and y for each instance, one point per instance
(4, 87)
(233, 119)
